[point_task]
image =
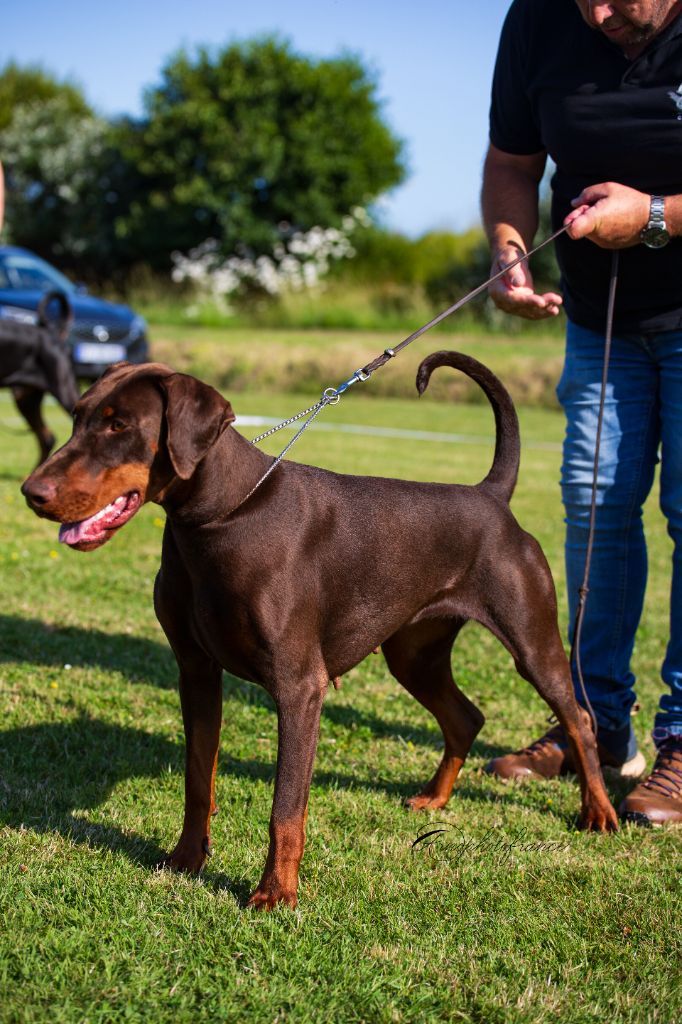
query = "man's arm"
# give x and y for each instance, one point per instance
(612, 216)
(509, 203)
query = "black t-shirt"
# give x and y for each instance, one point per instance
(562, 87)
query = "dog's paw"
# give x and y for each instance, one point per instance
(599, 818)
(267, 896)
(186, 858)
(425, 802)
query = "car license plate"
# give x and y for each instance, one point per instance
(87, 352)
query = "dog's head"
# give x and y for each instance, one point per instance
(135, 430)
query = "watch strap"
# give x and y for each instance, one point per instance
(656, 235)
(657, 212)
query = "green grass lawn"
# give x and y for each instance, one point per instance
(91, 790)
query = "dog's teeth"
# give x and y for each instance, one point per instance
(72, 533)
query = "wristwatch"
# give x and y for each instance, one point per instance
(655, 235)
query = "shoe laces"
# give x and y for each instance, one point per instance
(667, 771)
(555, 737)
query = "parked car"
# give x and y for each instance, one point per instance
(102, 332)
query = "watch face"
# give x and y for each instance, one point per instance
(655, 237)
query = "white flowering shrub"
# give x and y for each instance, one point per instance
(58, 166)
(299, 260)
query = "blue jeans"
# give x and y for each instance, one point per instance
(643, 414)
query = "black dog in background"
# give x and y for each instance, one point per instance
(34, 359)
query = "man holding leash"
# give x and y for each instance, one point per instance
(597, 86)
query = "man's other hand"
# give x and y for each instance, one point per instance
(610, 215)
(514, 293)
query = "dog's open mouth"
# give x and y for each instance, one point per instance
(90, 533)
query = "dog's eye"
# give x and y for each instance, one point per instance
(116, 426)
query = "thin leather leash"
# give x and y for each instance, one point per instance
(332, 396)
(584, 587)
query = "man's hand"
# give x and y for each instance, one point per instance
(610, 215)
(514, 293)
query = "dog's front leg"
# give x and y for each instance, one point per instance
(298, 729)
(201, 699)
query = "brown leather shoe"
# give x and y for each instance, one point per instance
(549, 757)
(658, 799)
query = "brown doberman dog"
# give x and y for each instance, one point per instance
(298, 584)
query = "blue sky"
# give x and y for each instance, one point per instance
(433, 58)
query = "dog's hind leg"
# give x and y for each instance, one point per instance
(419, 658)
(29, 403)
(522, 612)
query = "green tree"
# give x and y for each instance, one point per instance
(33, 85)
(247, 142)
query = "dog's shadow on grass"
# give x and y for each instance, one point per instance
(39, 643)
(53, 775)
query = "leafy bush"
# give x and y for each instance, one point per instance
(242, 145)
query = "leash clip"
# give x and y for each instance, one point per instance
(360, 375)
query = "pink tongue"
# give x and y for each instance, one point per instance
(93, 528)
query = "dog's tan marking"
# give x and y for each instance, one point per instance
(121, 479)
(280, 877)
(83, 496)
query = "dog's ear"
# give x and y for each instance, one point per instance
(196, 415)
(114, 368)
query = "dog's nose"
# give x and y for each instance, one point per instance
(39, 492)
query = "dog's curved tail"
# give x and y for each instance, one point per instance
(503, 473)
